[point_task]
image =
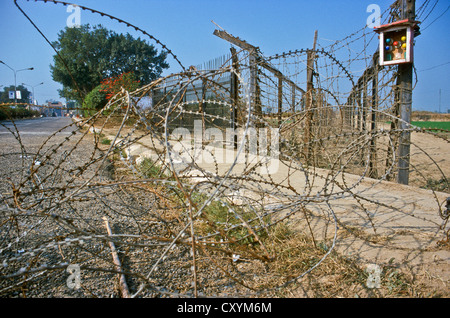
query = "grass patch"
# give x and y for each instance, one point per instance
(437, 185)
(152, 170)
(105, 141)
(219, 217)
(445, 125)
(233, 221)
(440, 128)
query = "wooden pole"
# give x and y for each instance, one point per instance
(309, 99)
(373, 145)
(404, 81)
(202, 107)
(293, 100)
(253, 74)
(358, 106)
(255, 91)
(364, 105)
(234, 95)
(364, 113)
(255, 52)
(280, 100)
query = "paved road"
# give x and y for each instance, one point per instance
(44, 126)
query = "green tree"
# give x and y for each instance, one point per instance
(92, 54)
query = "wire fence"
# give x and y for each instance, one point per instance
(182, 187)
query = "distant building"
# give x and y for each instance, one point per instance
(54, 109)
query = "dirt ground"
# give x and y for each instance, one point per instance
(380, 223)
(376, 238)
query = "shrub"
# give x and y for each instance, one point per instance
(8, 113)
(94, 101)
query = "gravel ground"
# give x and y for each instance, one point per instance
(51, 220)
(55, 194)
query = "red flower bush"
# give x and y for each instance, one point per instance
(113, 85)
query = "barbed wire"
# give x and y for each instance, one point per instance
(197, 170)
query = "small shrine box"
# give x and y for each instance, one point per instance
(396, 42)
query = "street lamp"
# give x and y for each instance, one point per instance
(15, 76)
(32, 88)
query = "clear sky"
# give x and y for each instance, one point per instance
(185, 27)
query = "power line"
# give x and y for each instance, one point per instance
(422, 8)
(436, 18)
(432, 9)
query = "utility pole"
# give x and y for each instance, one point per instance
(15, 78)
(32, 87)
(404, 81)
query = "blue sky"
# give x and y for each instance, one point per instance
(185, 27)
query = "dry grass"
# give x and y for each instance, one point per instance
(336, 276)
(429, 116)
(293, 253)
